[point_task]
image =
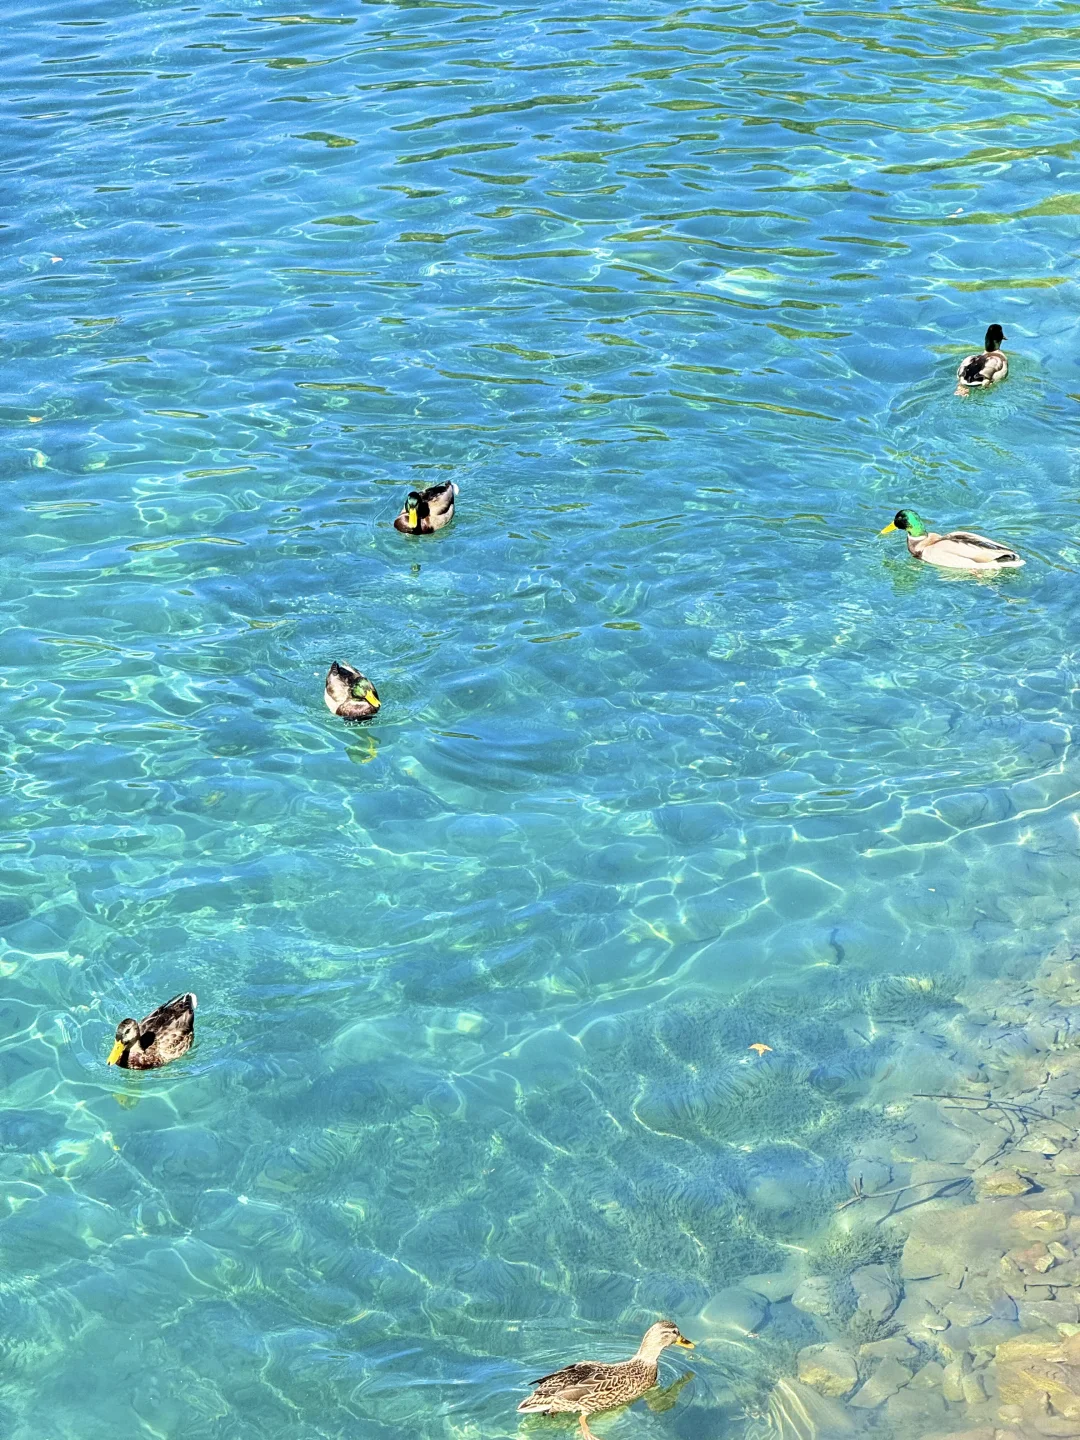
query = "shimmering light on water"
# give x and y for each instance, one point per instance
(676, 755)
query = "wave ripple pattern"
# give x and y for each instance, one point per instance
(675, 755)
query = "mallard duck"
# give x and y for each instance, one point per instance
(164, 1035)
(428, 510)
(350, 694)
(959, 550)
(593, 1385)
(978, 372)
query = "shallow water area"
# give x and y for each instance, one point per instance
(677, 756)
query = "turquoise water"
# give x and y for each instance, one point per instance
(676, 754)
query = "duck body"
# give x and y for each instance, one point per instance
(165, 1034)
(991, 365)
(350, 694)
(959, 550)
(426, 511)
(592, 1385)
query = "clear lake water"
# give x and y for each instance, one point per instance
(676, 755)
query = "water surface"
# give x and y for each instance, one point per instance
(676, 755)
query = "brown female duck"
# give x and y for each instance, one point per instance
(592, 1385)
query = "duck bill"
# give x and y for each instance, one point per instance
(413, 517)
(889, 528)
(684, 1344)
(373, 699)
(115, 1054)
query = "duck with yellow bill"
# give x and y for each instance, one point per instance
(426, 511)
(959, 550)
(589, 1386)
(163, 1035)
(349, 694)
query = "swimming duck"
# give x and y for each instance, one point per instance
(164, 1035)
(350, 694)
(593, 1385)
(981, 371)
(959, 550)
(427, 510)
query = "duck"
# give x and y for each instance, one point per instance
(979, 372)
(426, 511)
(959, 550)
(165, 1034)
(589, 1386)
(350, 694)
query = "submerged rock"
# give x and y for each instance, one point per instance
(994, 1184)
(1030, 1367)
(736, 1309)
(910, 1411)
(829, 1369)
(889, 1377)
(896, 1347)
(815, 1296)
(775, 1284)
(952, 1379)
(1040, 1223)
(797, 1412)
(877, 1293)
(922, 1257)
(917, 1314)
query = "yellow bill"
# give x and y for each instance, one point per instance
(686, 1344)
(115, 1053)
(373, 699)
(412, 516)
(889, 528)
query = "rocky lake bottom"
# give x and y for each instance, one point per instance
(945, 1296)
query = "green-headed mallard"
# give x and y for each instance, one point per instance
(426, 511)
(979, 372)
(164, 1035)
(350, 694)
(959, 550)
(593, 1385)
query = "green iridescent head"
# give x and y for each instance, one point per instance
(906, 520)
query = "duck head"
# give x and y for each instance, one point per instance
(905, 520)
(994, 336)
(658, 1337)
(415, 508)
(127, 1033)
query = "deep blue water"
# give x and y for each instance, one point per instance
(676, 755)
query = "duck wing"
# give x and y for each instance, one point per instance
(165, 1034)
(340, 680)
(585, 1372)
(178, 1013)
(567, 1389)
(964, 547)
(440, 501)
(983, 369)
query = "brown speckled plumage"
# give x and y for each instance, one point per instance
(591, 1385)
(165, 1034)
